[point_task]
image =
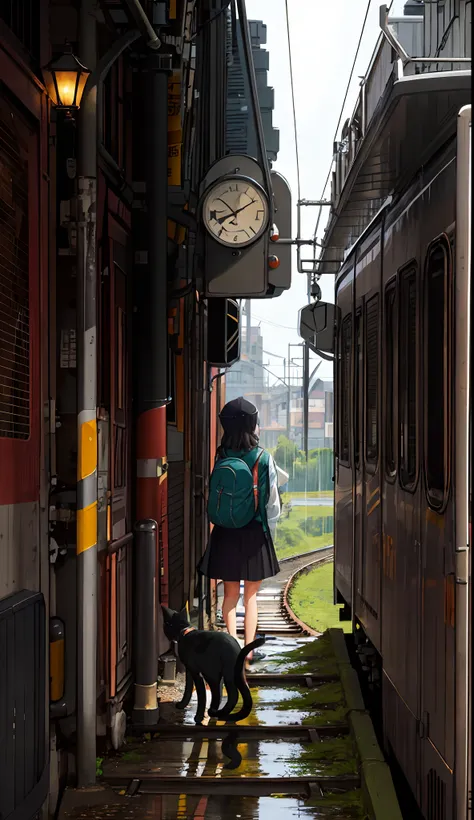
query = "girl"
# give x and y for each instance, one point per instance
(246, 554)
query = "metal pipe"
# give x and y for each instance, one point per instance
(143, 23)
(462, 393)
(145, 710)
(153, 371)
(247, 49)
(152, 326)
(86, 526)
(389, 34)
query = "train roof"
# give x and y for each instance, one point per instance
(413, 118)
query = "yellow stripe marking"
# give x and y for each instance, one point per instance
(374, 492)
(86, 528)
(87, 455)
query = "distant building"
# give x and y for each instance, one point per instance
(276, 421)
(241, 137)
(247, 376)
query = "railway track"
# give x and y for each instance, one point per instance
(288, 751)
(273, 616)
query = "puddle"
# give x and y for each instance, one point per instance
(252, 808)
(215, 807)
(255, 808)
(260, 758)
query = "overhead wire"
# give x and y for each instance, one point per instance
(298, 177)
(274, 324)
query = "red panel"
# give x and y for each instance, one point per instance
(152, 493)
(20, 459)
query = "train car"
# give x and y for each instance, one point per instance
(398, 242)
(402, 482)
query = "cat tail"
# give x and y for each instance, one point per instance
(241, 683)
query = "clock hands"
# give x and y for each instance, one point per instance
(222, 219)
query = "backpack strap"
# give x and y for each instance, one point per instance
(255, 479)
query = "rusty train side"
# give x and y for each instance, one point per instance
(404, 468)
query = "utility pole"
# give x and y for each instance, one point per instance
(305, 398)
(86, 518)
(288, 403)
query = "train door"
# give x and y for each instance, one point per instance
(438, 567)
(400, 578)
(358, 568)
(344, 459)
(368, 542)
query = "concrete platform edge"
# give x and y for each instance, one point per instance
(378, 791)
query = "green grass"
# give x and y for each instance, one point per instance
(291, 539)
(311, 599)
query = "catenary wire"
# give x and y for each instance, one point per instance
(298, 178)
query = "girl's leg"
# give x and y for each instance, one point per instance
(251, 614)
(231, 599)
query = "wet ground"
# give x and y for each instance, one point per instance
(298, 759)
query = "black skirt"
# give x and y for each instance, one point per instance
(246, 554)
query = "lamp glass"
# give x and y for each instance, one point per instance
(65, 80)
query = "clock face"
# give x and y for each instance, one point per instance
(235, 212)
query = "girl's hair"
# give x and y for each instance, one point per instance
(238, 440)
(239, 419)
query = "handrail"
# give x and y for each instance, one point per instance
(116, 545)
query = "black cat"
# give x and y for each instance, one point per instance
(213, 657)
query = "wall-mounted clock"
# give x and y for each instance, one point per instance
(235, 211)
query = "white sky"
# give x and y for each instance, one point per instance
(324, 36)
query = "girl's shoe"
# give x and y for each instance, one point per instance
(256, 656)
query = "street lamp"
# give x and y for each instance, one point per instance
(65, 79)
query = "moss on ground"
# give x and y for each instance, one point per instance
(337, 755)
(311, 599)
(315, 656)
(320, 696)
(346, 805)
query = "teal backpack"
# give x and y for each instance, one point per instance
(234, 492)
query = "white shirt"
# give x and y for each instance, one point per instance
(273, 504)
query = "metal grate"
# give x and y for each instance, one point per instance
(14, 283)
(22, 17)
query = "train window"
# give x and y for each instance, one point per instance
(408, 377)
(389, 367)
(345, 389)
(371, 379)
(436, 370)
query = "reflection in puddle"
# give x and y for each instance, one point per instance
(273, 706)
